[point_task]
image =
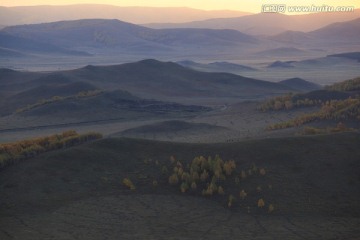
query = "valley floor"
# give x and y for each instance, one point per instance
(168, 217)
(239, 121)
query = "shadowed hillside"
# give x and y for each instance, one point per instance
(151, 79)
(300, 84)
(173, 130)
(83, 185)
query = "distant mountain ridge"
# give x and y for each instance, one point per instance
(342, 31)
(10, 16)
(91, 34)
(268, 23)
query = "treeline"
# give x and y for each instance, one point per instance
(349, 85)
(340, 127)
(338, 110)
(288, 102)
(12, 152)
(337, 91)
(83, 94)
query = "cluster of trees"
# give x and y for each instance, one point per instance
(287, 102)
(83, 94)
(316, 98)
(208, 173)
(338, 110)
(213, 176)
(12, 152)
(209, 177)
(349, 85)
(340, 127)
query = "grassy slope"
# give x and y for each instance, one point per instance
(310, 175)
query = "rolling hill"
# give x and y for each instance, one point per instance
(52, 195)
(97, 93)
(175, 130)
(216, 66)
(334, 33)
(300, 84)
(268, 23)
(114, 36)
(20, 46)
(150, 79)
(349, 55)
(42, 92)
(108, 39)
(344, 31)
(108, 105)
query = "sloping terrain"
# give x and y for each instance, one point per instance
(34, 46)
(91, 107)
(174, 130)
(151, 79)
(77, 193)
(110, 36)
(342, 32)
(216, 66)
(268, 23)
(333, 34)
(282, 52)
(350, 55)
(300, 84)
(42, 92)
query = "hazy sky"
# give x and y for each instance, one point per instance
(242, 5)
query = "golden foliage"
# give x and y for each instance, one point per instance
(180, 171)
(229, 167)
(261, 203)
(207, 176)
(220, 190)
(128, 183)
(186, 177)
(173, 179)
(349, 85)
(204, 176)
(271, 208)
(331, 110)
(83, 94)
(10, 152)
(243, 194)
(208, 191)
(184, 187)
(287, 102)
(231, 200)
